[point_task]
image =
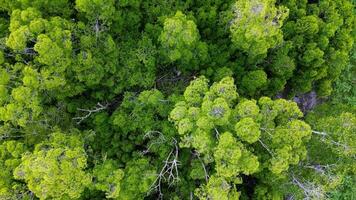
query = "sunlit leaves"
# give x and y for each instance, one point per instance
(180, 40)
(248, 130)
(255, 26)
(56, 168)
(108, 178)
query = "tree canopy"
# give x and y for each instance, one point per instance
(164, 99)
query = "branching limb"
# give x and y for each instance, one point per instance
(328, 138)
(159, 140)
(266, 147)
(322, 169)
(310, 190)
(203, 165)
(99, 107)
(169, 171)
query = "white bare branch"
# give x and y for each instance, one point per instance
(328, 138)
(266, 147)
(310, 190)
(168, 173)
(322, 169)
(159, 140)
(319, 133)
(88, 112)
(217, 134)
(203, 165)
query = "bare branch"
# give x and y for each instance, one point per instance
(99, 107)
(319, 133)
(328, 138)
(267, 131)
(217, 134)
(203, 165)
(310, 190)
(266, 147)
(151, 134)
(169, 171)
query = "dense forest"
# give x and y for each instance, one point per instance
(177, 99)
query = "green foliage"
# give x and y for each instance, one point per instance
(248, 130)
(128, 82)
(107, 178)
(346, 190)
(253, 81)
(322, 39)
(181, 41)
(10, 158)
(138, 178)
(268, 138)
(255, 26)
(219, 188)
(344, 90)
(97, 10)
(55, 169)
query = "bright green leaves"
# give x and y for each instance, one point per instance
(56, 168)
(307, 25)
(180, 41)
(18, 38)
(108, 178)
(217, 188)
(10, 158)
(138, 179)
(179, 111)
(20, 31)
(231, 158)
(264, 137)
(286, 110)
(3, 94)
(248, 130)
(203, 110)
(185, 126)
(224, 89)
(217, 111)
(255, 26)
(31, 78)
(24, 106)
(288, 142)
(49, 52)
(247, 108)
(254, 81)
(202, 140)
(196, 90)
(97, 10)
(60, 58)
(5, 77)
